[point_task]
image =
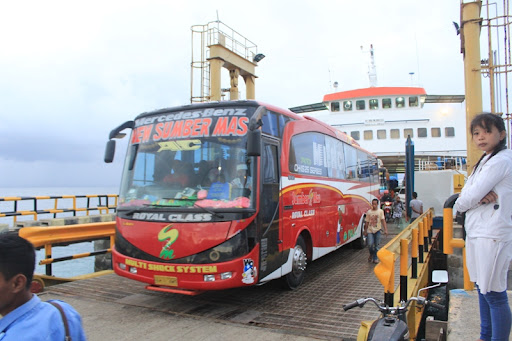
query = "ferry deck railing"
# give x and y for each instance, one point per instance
(443, 163)
(55, 206)
(49, 236)
(414, 269)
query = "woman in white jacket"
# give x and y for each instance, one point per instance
(487, 200)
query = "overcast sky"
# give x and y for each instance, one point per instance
(71, 71)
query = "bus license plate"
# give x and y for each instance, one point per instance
(166, 280)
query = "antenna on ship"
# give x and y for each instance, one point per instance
(372, 70)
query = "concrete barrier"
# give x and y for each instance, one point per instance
(27, 223)
(52, 222)
(102, 262)
(102, 218)
(4, 228)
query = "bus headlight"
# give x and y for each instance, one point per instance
(122, 266)
(209, 278)
(226, 275)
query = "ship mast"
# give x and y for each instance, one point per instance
(372, 71)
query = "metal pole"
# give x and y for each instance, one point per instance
(409, 172)
(472, 75)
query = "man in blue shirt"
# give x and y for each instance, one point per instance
(24, 315)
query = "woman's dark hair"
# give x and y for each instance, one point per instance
(17, 256)
(486, 121)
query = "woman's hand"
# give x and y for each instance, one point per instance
(489, 198)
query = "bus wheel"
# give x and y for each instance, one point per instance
(299, 262)
(360, 243)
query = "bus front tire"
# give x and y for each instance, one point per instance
(299, 263)
(360, 243)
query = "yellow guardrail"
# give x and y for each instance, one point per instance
(449, 243)
(49, 236)
(79, 203)
(414, 272)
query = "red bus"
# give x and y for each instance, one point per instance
(228, 194)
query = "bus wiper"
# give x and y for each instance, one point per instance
(158, 205)
(215, 214)
(128, 212)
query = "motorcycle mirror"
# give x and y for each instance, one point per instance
(439, 276)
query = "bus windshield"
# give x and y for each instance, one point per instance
(205, 165)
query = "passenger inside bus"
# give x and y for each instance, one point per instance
(181, 173)
(242, 179)
(220, 189)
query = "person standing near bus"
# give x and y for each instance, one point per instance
(486, 198)
(373, 224)
(24, 315)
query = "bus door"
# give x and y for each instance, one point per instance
(269, 208)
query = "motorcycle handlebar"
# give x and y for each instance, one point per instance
(350, 305)
(360, 303)
(382, 307)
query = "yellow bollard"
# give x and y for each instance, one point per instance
(448, 231)
(404, 262)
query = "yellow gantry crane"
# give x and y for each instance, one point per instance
(216, 46)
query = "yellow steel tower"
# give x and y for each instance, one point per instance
(495, 67)
(216, 46)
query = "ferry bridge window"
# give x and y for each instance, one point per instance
(360, 105)
(435, 132)
(413, 101)
(449, 131)
(368, 134)
(408, 132)
(374, 104)
(386, 103)
(394, 133)
(422, 132)
(335, 106)
(381, 134)
(355, 135)
(400, 102)
(347, 105)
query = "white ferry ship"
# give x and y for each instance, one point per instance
(381, 118)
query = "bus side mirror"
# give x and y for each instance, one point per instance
(254, 142)
(110, 150)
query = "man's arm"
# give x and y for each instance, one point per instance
(416, 211)
(383, 222)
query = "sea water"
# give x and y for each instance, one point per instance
(68, 268)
